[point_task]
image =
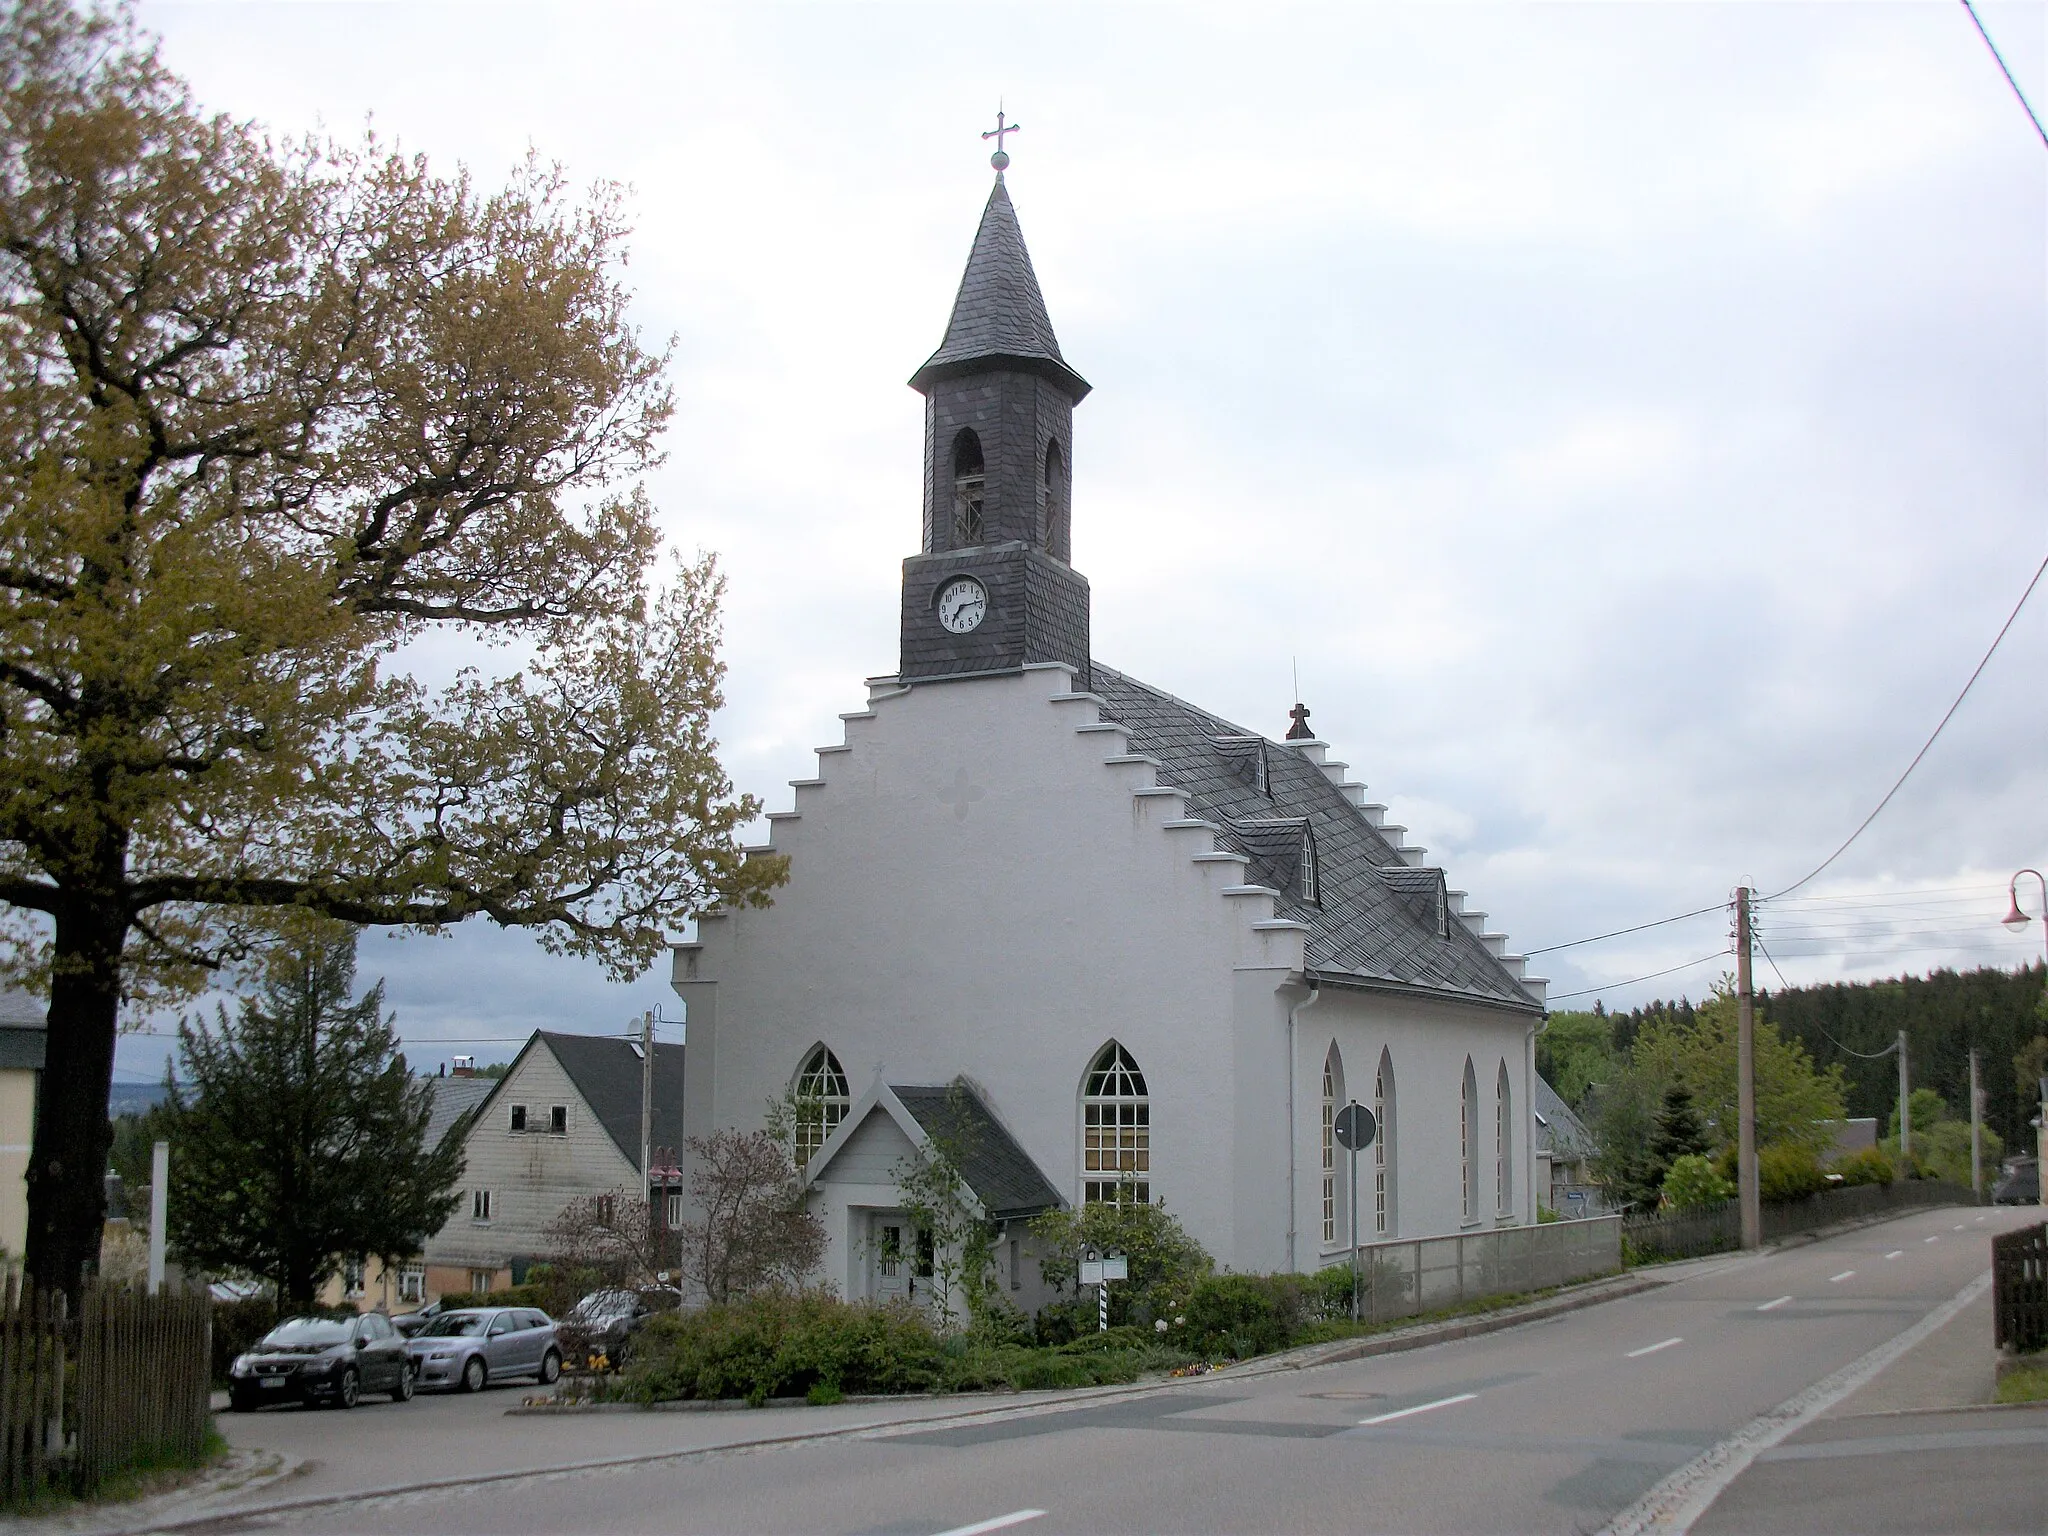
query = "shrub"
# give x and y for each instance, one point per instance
(1869, 1166)
(1165, 1261)
(237, 1325)
(1244, 1315)
(541, 1296)
(782, 1344)
(1788, 1172)
(1692, 1184)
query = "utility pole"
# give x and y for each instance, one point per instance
(1905, 1112)
(646, 1096)
(1745, 1080)
(1976, 1130)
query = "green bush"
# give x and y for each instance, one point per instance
(1869, 1166)
(541, 1296)
(1245, 1315)
(1692, 1184)
(1788, 1172)
(1164, 1260)
(237, 1325)
(782, 1344)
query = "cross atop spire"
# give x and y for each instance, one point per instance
(1001, 159)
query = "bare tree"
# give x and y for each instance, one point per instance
(599, 1242)
(754, 1231)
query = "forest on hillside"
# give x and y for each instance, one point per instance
(2002, 1014)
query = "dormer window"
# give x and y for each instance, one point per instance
(970, 484)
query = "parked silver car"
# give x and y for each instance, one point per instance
(465, 1349)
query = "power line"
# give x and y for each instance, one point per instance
(1615, 986)
(1551, 949)
(2003, 629)
(2006, 70)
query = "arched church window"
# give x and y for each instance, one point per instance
(822, 1101)
(1116, 1131)
(1333, 1100)
(1468, 1138)
(970, 484)
(1311, 877)
(1054, 499)
(1503, 1145)
(1383, 1162)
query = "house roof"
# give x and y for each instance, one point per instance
(1376, 920)
(453, 1097)
(999, 1171)
(999, 314)
(605, 1072)
(24, 1031)
(1559, 1130)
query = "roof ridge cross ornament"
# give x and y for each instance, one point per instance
(1001, 159)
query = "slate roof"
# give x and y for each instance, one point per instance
(1558, 1127)
(1376, 920)
(454, 1096)
(999, 314)
(1001, 1173)
(24, 1031)
(606, 1071)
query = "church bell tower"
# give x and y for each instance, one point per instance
(992, 589)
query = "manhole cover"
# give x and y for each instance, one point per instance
(1347, 1397)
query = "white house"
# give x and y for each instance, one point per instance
(1154, 948)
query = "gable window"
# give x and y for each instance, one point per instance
(1116, 1131)
(822, 1101)
(1503, 1143)
(1468, 1139)
(479, 1205)
(558, 1120)
(970, 486)
(1382, 1148)
(518, 1117)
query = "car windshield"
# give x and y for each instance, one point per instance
(605, 1304)
(301, 1332)
(456, 1325)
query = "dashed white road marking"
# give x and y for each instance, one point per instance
(995, 1523)
(1895, 1253)
(1651, 1349)
(1767, 1306)
(1398, 1413)
(1838, 1279)
(1934, 1239)
(1980, 1221)
(1957, 1227)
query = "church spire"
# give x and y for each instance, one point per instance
(999, 318)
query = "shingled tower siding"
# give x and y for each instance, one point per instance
(998, 374)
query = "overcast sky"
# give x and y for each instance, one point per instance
(1632, 418)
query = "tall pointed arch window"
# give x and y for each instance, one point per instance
(1333, 1100)
(822, 1101)
(1503, 1145)
(1468, 1138)
(1116, 1131)
(970, 489)
(1383, 1162)
(1053, 501)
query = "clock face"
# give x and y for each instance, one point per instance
(962, 602)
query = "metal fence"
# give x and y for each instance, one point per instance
(1718, 1228)
(2019, 1288)
(1405, 1278)
(84, 1396)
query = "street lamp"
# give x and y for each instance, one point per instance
(2017, 921)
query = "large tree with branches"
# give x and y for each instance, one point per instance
(278, 423)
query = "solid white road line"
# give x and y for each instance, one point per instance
(995, 1523)
(1651, 1349)
(1402, 1413)
(1895, 1253)
(1838, 1279)
(1770, 1304)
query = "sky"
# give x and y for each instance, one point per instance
(1631, 421)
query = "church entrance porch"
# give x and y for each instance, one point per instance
(899, 1256)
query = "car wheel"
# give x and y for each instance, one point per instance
(348, 1389)
(550, 1368)
(402, 1393)
(473, 1374)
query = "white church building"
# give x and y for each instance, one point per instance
(1146, 951)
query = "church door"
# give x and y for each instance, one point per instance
(892, 1253)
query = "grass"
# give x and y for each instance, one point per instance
(151, 1472)
(2027, 1382)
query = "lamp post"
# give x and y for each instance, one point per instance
(2017, 921)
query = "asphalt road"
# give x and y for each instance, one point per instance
(1556, 1426)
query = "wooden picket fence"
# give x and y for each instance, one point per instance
(85, 1396)
(2019, 1288)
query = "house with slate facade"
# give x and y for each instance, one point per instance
(1139, 951)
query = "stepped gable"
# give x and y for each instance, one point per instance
(1369, 922)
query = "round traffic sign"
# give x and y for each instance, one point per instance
(1354, 1127)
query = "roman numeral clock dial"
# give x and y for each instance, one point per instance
(962, 603)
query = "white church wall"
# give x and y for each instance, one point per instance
(975, 888)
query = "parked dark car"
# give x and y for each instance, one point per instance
(601, 1322)
(467, 1348)
(2019, 1184)
(410, 1323)
(322, 1360)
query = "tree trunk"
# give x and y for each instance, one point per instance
(67, 1196)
